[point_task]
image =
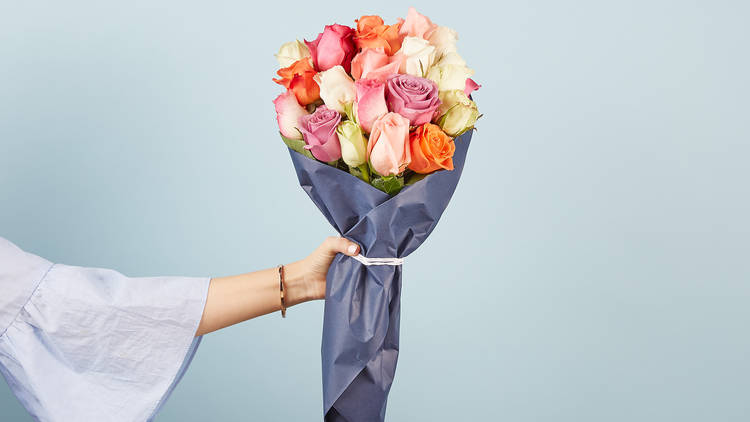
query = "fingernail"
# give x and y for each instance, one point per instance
(352, 249)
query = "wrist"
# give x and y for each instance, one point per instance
(296, 290)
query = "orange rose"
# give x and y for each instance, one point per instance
(431, 149)
(372, 32)
(298, 78)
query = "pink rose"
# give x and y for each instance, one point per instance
(373, 63)
(288, 112)
(370, 102)
(334, 46)
(319, 131)
(388, 148)
(471, 86)
(412, 97)
(417, 25)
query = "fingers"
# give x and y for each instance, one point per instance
(342, 245)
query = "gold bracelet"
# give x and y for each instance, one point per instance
(281, 290)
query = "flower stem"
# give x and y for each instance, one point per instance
(365, 169)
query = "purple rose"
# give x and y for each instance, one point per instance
(412, 97)
(319, 131)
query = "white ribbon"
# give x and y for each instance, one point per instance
(378, 261)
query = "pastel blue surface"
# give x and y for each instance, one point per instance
(591, 266)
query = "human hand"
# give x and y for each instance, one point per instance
(308, 276)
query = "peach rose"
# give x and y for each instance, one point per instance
(299, 78)
(431, 149)
(417, 25)
(373, 63)
(388, 146)
(372, 32)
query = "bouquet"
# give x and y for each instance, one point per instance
(378, 120)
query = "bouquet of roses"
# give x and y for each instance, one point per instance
(378, 120)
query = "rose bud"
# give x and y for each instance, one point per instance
(373, 63)
(412, 97)
(457, 112)
(431, 149)
(334, 46)
(370, 102)
(336, 88)
(372, 32)
(319, 131)
(299, 78)
(416, 55)
(353, 143)
(444, 39)
(291, 52)
(388, 148)
(288, 112)
(450, 72)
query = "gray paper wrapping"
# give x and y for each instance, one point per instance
(363, 303)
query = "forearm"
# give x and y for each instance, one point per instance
(241, 297)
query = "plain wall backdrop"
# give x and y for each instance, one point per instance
(592, 266)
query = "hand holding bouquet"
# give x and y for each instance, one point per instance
(390, 105)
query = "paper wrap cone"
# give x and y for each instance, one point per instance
(363, 303)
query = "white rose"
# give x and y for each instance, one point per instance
(291, 52)
(451, 57)
(444, 39)
(457, 112)
(417, 55)
(336, 88)
(450, 72)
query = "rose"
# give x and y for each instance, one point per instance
(431, 149)
(319, 131)
(417, 56)
(417, 25)
(471, 86)
(444, 39)
(387, 148)
(288, 112)
(334, 46)
(373, 33)
(291, 52)
(412, 97)
(299, 78)
(336, 88)
(370, 102)
(373, 63)
(457, 112)
(353, 143)
(450, 72)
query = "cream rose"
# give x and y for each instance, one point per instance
(336, 88)
(291, 52)
(417, 55)
(353, 143)
(450, 72)
(457, 112)
(444, 40)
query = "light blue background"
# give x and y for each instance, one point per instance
(593, 265)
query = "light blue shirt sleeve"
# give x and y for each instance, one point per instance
(89, 344)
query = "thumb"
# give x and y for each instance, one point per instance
(342, 245)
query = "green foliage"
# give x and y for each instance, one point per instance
(389, 184)
(297, 145)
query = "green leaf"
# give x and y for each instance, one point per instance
(297, 145)
(414, 178)
(389, 184)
